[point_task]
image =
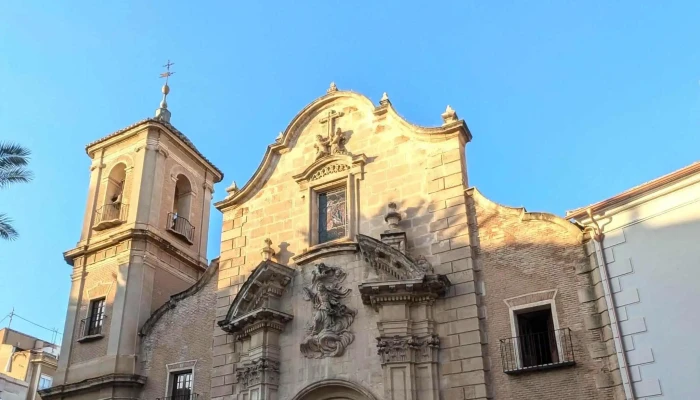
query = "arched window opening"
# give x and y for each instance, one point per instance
(178, 219)
(113, 210)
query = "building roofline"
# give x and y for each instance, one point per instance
(636, 191)
(167, 126)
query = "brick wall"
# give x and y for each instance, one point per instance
(182, 333)
(517, 253)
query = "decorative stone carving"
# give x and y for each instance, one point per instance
(396, 349)
(321, 146)
(260, 371)
(399, 349)
(337, 142)
(327, 333)
(449, 116)
(267, 252)
(329, 169)
(258, 301)
(332, 88)
(389, 261)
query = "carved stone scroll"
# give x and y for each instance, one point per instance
(328, 333)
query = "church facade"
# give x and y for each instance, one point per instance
(357, 263)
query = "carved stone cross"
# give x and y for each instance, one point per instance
(329, 119)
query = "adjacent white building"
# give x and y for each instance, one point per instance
(651, 246)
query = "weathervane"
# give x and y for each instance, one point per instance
(167, 73)
(163, 113)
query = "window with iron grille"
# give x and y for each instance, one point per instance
(332, 215)
(539, 342)
(181, 385)
(96, 317)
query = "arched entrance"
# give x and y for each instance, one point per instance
(334, 389)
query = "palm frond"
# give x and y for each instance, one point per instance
(13, 155)
(13, 149)
(7, 232)
(14, 175)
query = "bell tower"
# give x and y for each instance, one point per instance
(143, 239)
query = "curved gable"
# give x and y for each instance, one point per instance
(522, 214)
(355, 114)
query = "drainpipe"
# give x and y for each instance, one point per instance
(598, 237)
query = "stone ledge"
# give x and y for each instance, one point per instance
(123, 380)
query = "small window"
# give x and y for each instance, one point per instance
(45, 382)
(181, 385)
(538, 344)
(96, 317)
(332, 215)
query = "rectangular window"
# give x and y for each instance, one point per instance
(181, 385)
(537, 338)
(332, 215)
(96, 317)
(45, 382)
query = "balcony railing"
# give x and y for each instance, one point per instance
(110, 215)
(191, 396)
(537, 351)
(181, 227)
(91, 329)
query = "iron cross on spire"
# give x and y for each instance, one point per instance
(167, 73)
(329, 120)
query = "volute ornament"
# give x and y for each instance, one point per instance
(327, 334)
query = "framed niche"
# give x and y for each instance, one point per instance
(330, 187)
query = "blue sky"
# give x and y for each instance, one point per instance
(569, 102)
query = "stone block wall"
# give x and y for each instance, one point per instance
(426, 177)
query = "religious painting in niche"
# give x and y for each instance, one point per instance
(332, 215)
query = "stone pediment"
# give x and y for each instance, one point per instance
(389, 262)
(331, 165)
(258, 300)
(400, 278)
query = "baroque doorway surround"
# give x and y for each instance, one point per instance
(334, 389)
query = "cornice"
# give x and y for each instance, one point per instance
(127, 234)
(166, 127)
(662, 185)
(123, 380)
(447, 131)
(325, 250)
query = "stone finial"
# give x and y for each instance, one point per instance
(232, 189)
(267, 252)
(384, 100)
(449, 116)
(332, 88)
(393, 217)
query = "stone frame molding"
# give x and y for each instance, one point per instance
(173, 368)
(532, 301)
(331, 172)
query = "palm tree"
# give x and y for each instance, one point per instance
(13, 160)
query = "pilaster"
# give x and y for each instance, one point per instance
(408, 344)
(255, 321)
